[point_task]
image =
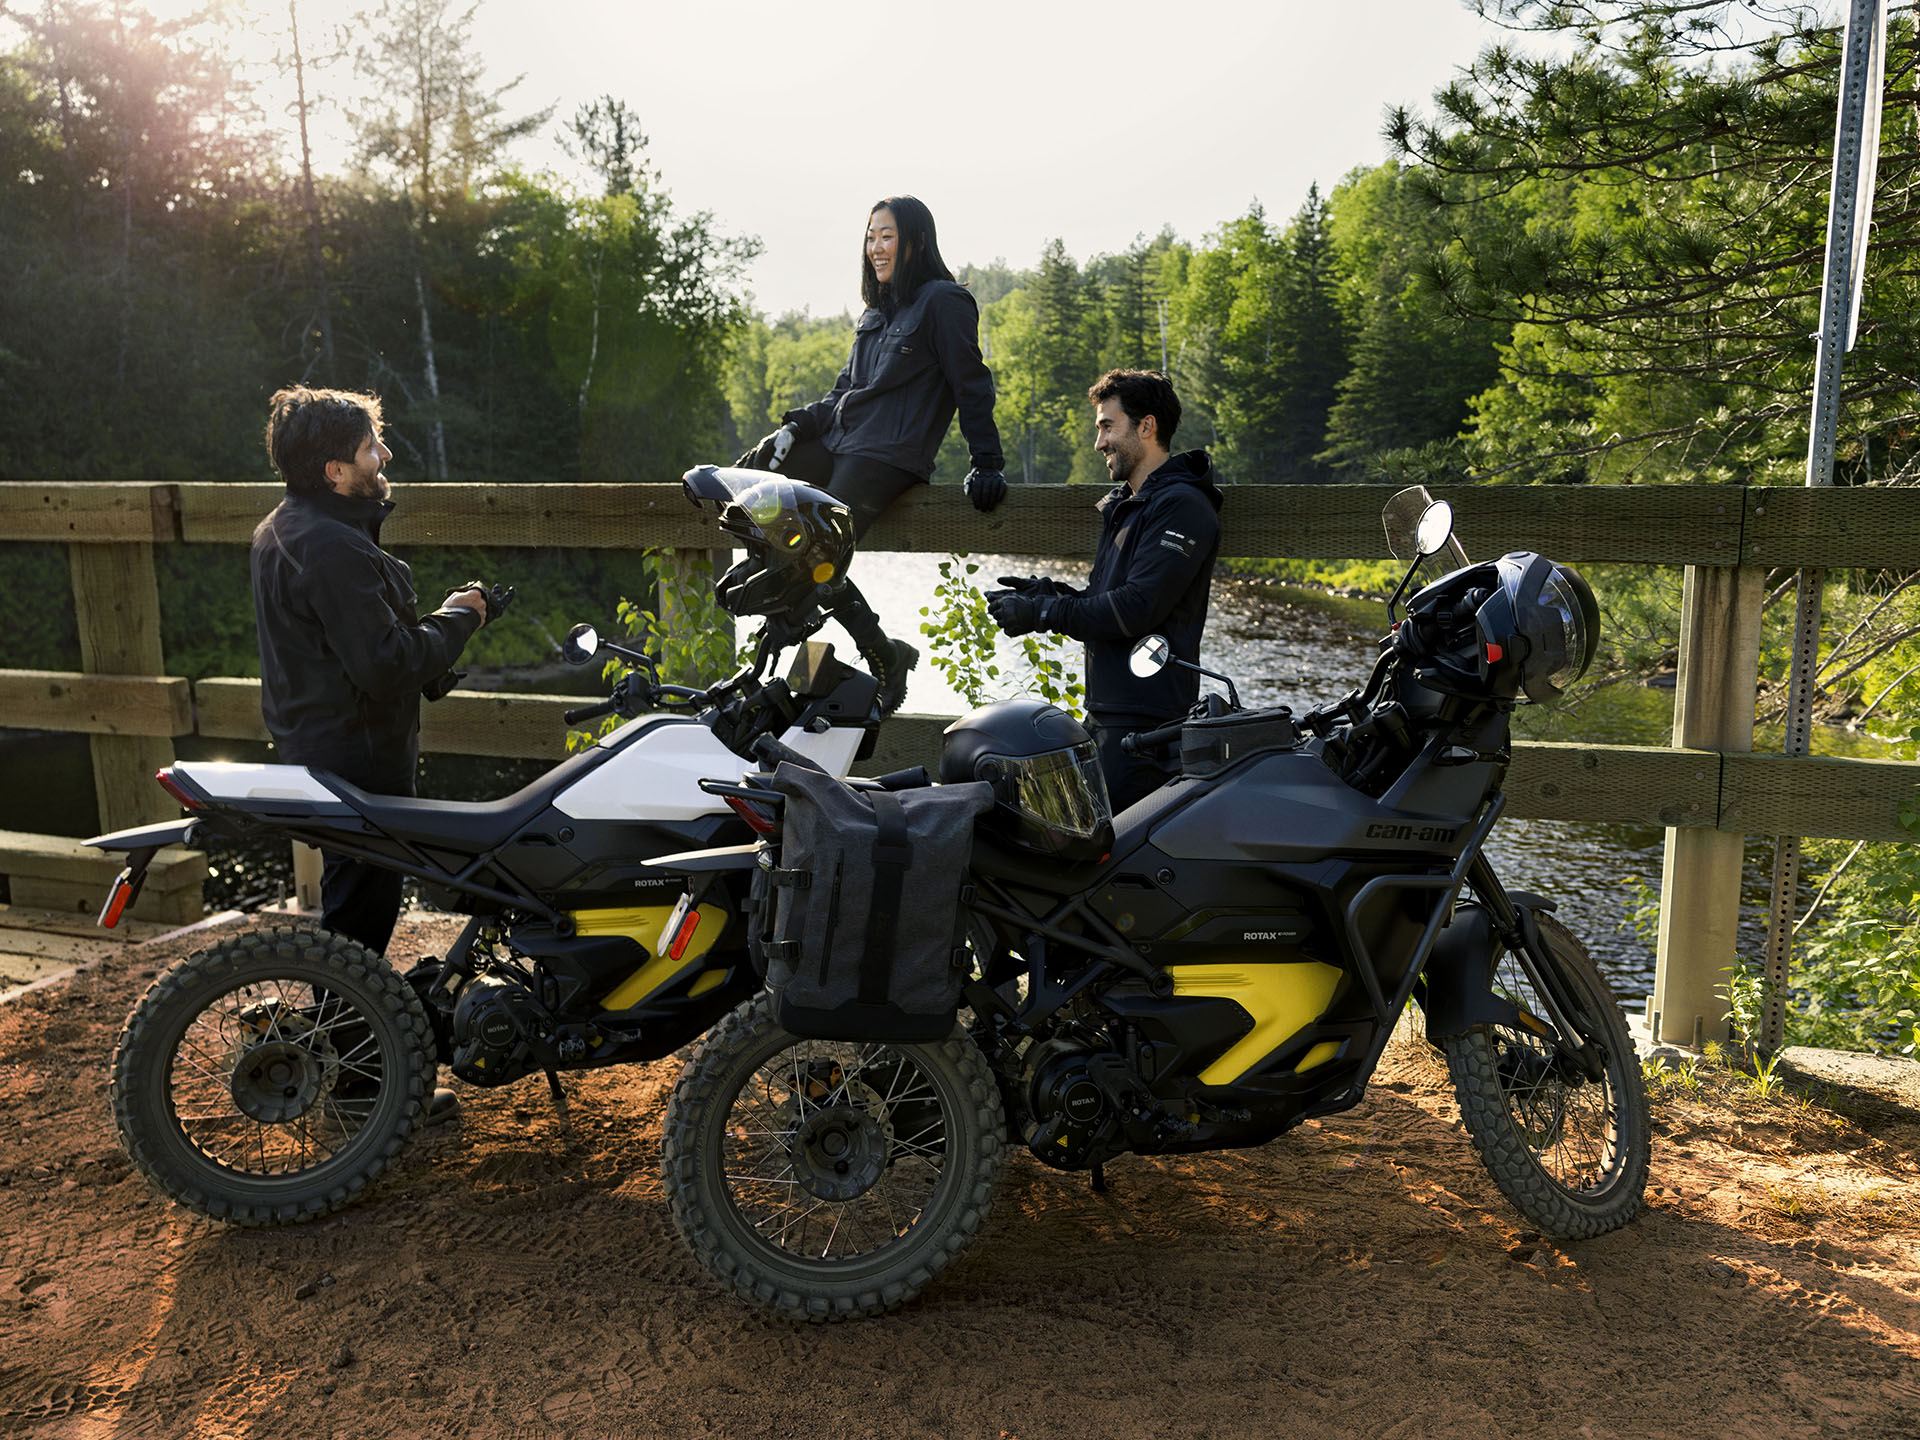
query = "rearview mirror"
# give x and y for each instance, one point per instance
(1150, 656)
(1435, 528)
(581, 645)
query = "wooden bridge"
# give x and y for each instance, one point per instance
(1707, 787)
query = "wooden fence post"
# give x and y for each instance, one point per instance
(116, 600)
(1700, 879)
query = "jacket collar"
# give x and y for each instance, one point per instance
(360, 512)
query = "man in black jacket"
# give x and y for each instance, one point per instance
(343, 653)
(1159, 537)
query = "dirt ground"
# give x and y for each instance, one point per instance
(1360, 1277)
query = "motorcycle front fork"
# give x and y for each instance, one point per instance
(1520, 933)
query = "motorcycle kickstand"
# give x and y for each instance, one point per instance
(1099, 1179)
(560, 1105)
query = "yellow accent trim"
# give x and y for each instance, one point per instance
(1280, 998)
(1318, 1055)
(705, 983)
(643, 924)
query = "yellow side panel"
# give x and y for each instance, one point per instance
(644, 925)
(705, 983)
(1318, 1055)
(1280, 998)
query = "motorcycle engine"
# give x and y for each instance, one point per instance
(1076, 1120)
(495, 1023)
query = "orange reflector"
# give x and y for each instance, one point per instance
(684, 935)
(117, 897)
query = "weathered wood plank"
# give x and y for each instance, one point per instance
(61, 857)
(88, 512)
(15, 918)
(1653, 524)
(228, 708)
(605, 517)
(1832, 798)
(116, 602)
(1834, 527)
(96, 704)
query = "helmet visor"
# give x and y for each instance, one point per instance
(1062, 792)
(1566, 624)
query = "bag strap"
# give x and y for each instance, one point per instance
(892, 853)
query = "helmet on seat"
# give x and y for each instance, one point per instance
(797, 538)
(1520, 626)
(1050, 796)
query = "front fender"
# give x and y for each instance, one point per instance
(1458, 990)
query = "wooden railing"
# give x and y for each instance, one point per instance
(1707, 788)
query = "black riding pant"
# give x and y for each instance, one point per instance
(868, 487)
(359, 900)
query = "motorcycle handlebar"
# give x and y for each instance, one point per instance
(590, 712)
(1152, 739)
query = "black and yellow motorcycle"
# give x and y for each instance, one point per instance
(1224, 959)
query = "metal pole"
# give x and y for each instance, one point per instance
(1855, 150)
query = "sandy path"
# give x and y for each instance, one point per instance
(1361, 1277)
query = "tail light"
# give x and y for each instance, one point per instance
(759, 820)
(172, 787)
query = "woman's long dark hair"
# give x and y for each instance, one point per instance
(917, 258)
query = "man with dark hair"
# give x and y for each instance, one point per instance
(1159, 537)
(343, 654)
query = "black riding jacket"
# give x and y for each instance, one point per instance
(908, 372)
(1151, 575)
(343, 653)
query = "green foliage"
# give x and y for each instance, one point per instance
(963, 647)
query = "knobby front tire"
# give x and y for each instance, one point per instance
(1572, 1157)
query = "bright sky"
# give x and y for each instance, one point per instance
(1015, 122)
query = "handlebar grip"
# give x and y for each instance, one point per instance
(1151, 739)
(589, 712)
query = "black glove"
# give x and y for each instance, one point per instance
(986, 488)
(497, 598)
(1015, 613)
(771, 452)
(1031, 584)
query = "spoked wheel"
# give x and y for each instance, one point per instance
(828, 1179)
(270, 1078)
(1569, 1150)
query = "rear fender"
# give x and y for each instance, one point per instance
(149, 837)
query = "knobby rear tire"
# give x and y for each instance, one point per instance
(1562, 1212)
(723, 1240)
(143, 1061)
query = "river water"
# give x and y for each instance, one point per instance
(1282, 646)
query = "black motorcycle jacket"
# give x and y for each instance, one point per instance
(1151, 575)
(908, 372)
(343, 654)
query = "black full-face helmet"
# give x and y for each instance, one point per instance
(1519, 626)
(1045, 773)
(798, 539)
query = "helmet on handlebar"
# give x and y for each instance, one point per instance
(798, 539)
(1045, 772)
(1519, 626)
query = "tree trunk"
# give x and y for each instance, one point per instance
(316, 270)
(436, 431)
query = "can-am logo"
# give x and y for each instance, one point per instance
(1387, 830)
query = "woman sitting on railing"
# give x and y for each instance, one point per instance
(915, 361)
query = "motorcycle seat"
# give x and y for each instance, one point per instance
(464, 827)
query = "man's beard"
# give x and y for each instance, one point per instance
(1124, 464)
(369, 487)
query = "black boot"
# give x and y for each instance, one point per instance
(888, 661)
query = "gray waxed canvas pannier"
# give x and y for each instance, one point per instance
(861, 922)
